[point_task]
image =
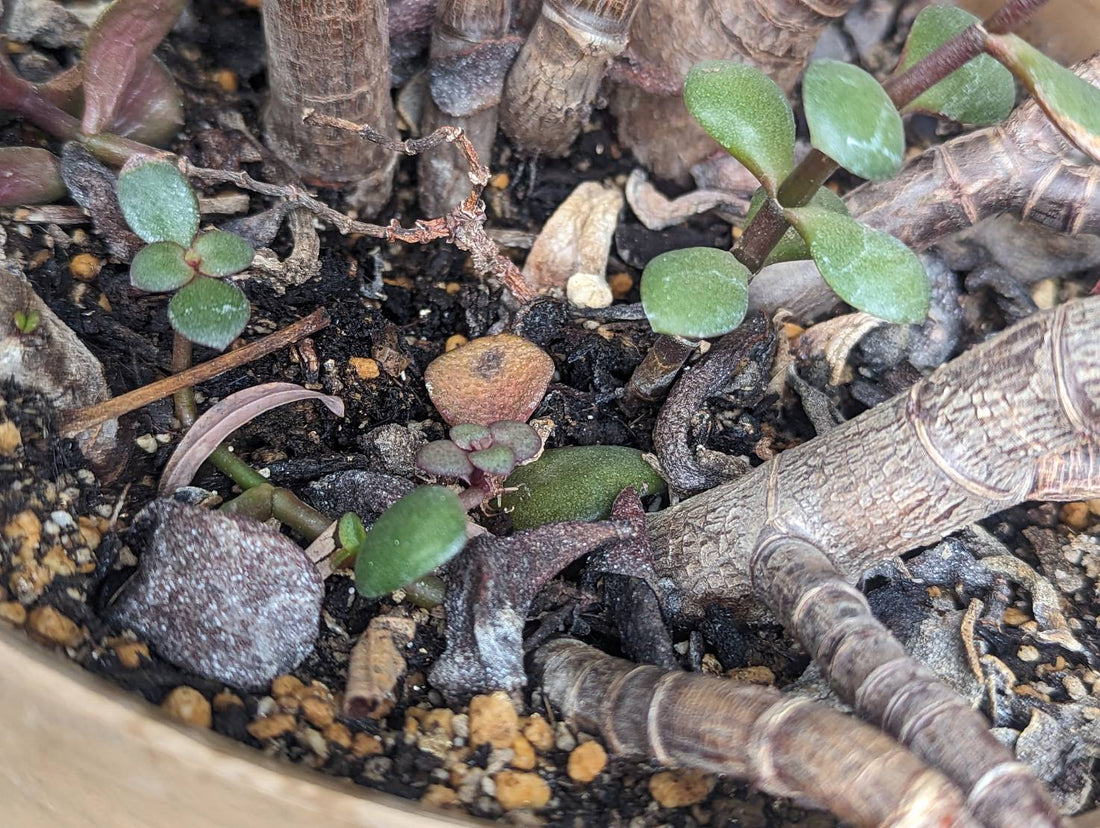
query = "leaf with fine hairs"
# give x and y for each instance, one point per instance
(119, 44)
(213, 427)
(29, 175)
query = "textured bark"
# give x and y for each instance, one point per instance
(331, 56)
(668, 37)
(551, 88)
(1023, 166)
(470, 55)
(785, 745)
(870, 670)
(966, 442)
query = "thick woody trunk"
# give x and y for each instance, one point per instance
(668, 37)
(331, 56)
(555, 80)
(1014, 417)
(470, 56)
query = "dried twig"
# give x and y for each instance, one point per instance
(77, 420)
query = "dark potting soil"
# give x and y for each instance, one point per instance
(64, 548)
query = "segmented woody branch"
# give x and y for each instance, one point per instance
(1013, 418)
(785, 745)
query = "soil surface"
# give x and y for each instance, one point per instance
(65, 549)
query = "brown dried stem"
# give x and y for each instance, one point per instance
(81, 419)
(980, 434)
(333, 55)
(785, 745)
(554, 81)
(870, 670)
(376, 666)
(462, 226)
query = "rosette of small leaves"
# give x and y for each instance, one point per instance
(476, 452)
(161, 208)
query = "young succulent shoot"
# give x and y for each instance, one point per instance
(421, 531)
(482, 456)
(26, 322)
(576, 483)
(161, 208)
(122, 93)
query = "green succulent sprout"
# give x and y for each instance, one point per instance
(421, 531)
(576, 483)
(26, 322)
(161, 208)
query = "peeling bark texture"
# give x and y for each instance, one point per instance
(331, 56)
(1023, 166)
(376, 666)
(668, 37)
(870, 670)
(470, 56)
(554, 82)
(784, 745)
(980, 434)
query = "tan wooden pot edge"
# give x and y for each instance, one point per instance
(77, 751)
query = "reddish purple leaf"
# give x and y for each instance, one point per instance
(213, 427)
(119, 45)
(151, 108)
(29, 176)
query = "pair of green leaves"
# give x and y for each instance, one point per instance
(421, 531)
(161, 208)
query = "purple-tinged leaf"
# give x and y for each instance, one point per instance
(160, 267)
(471, 436)
(213, 427)
(498, 460)
(119, 45)
(16, 95)
(445, 459)
(151, 108)
(29, 176)
(523, 440)
(218, 253)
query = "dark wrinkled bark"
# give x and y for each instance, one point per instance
(470, 55)
(1016, 417)
(331, 56)
(554, 82)
(784, 745)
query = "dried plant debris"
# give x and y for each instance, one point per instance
(490, 587)
(377, 665)
(221, 595)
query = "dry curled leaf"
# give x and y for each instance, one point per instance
(223, 419)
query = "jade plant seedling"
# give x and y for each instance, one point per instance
(161, 208)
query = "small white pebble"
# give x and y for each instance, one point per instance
(63, 519)
(147, 443)
(1075, 688)
(563, 739)
(266, 707)
(1028, 653)
(588, 290)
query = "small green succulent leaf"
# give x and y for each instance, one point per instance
(696, 292)
(981, 92)
(747, 113)
(157, 202)
(26, 322)
(218, 253)
(869, 270)
(792, 247)
(523, 440)
(471, 436)
(444, 458)
(576, 483)
(498, 460)
(209, 312)
(350, 532)
(1071, 102)
(422, 530)
(852, 119)
(160, 267)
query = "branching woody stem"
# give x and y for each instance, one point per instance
(782, 744)
(870, 670)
